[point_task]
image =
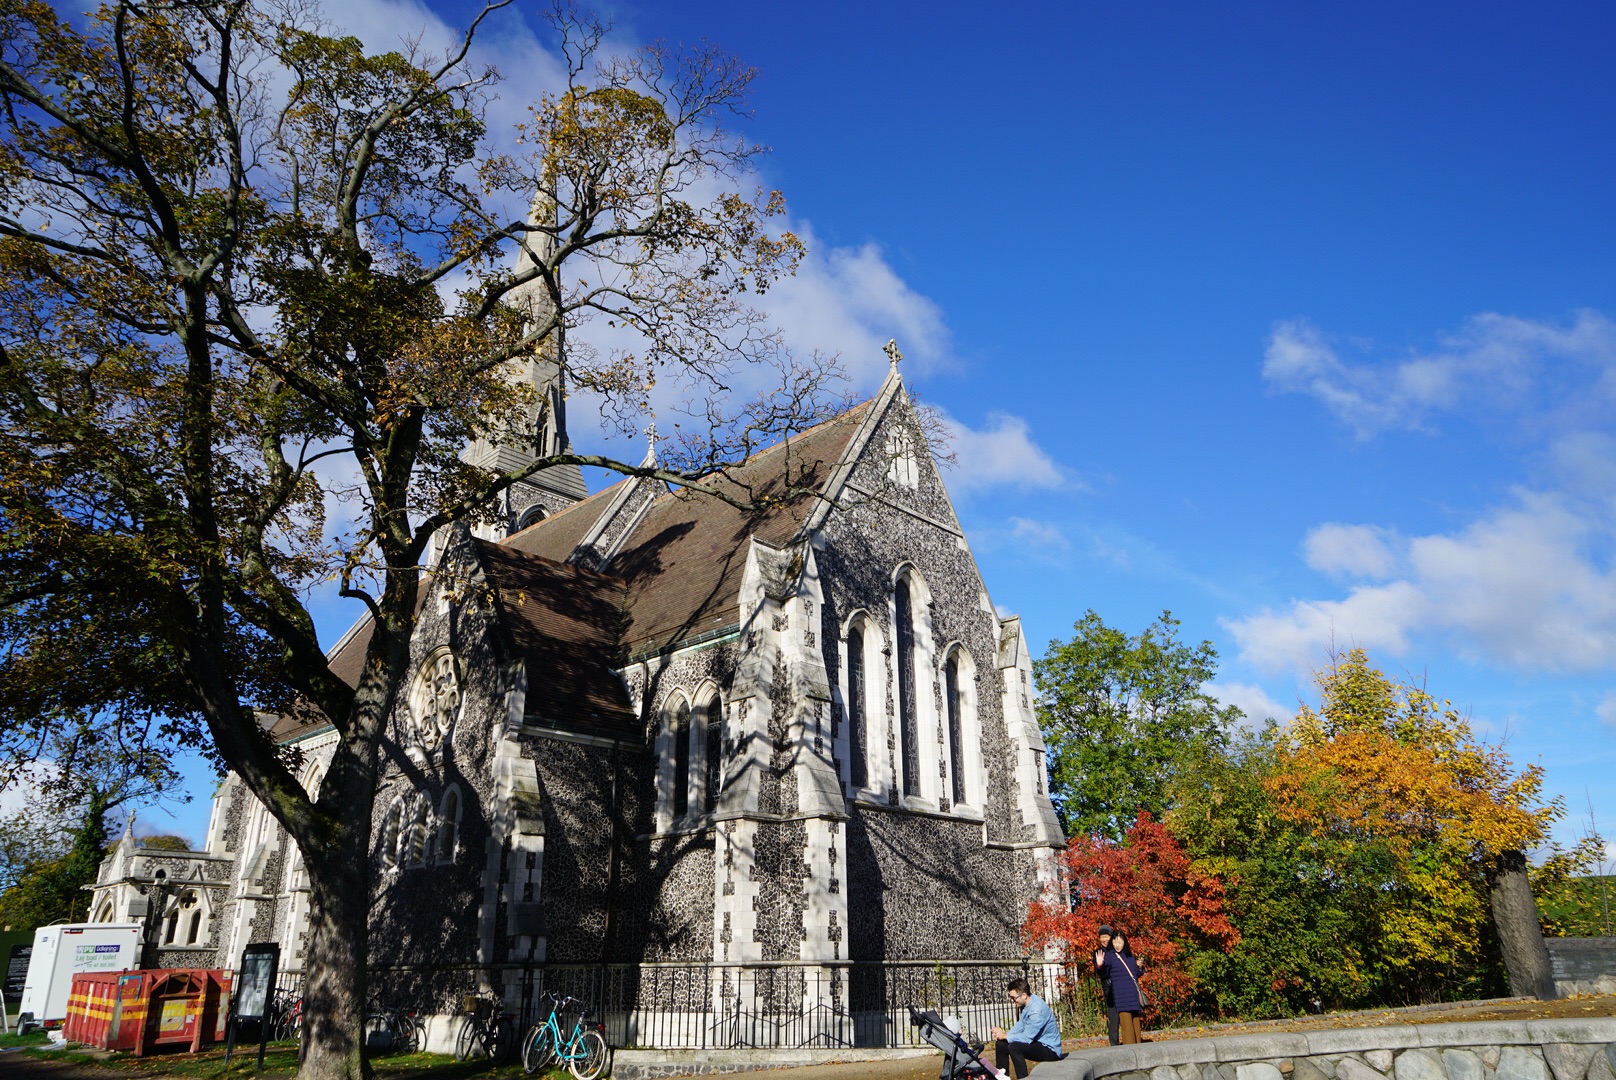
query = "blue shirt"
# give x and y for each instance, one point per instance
(1037, 1024)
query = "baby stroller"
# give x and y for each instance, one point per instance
(964, 1061)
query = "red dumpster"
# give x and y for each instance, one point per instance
(147, 1011)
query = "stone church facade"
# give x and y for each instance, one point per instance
(652, 732)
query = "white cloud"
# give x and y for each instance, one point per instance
(1495, 362)
(1252, 700)
(1606, 710)
(1350, 550)
(1530, 586)
(1377, 617)
(1530, 583)
(1038, 534)
(1002, 454)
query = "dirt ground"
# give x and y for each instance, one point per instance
(17, 1066)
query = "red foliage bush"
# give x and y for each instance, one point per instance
(1147, 887)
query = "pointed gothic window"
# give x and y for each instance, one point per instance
(681, 760)
(173, 926)
(908, 722)
(392, 826)
(857, 738)
(415, 847)
(712, 734)
(196, 927)
(956, 738)
(449, 827)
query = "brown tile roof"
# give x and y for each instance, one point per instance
(677, 576)
(554, 537)
(684, 560)
(565, 622)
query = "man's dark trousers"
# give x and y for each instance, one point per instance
(1111, 1027)
(1019, 1053)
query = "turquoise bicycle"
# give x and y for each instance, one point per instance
(582, 1050)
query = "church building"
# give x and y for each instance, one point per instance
(661, 742)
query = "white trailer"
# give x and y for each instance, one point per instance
(66, 949)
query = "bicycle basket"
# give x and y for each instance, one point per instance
(470, 1003)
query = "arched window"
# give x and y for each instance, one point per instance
(106, 912)
(392, 826)
(956, 735)
(196, 927)
(414, 845)
(531, 516)
(858, 751)
(449, 825)
(712, 737)
(171, 926)
(681, 760)
(908, 719)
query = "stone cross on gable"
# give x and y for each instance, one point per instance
(891, 349)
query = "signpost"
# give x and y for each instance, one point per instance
(16, 977)
(255, 989)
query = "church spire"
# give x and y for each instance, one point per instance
(543, 372)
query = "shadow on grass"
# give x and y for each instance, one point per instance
(280, 1061)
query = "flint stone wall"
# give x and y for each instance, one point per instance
(1475, 1050)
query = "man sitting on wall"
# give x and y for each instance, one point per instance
(1034, 1037)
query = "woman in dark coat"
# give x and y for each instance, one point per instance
(1122, 969)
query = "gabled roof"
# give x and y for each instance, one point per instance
(564, 621)
(683, 561)
(675, 577)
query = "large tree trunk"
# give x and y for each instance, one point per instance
(337, 986)
(1519, 933)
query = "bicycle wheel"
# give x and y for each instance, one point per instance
(407, 1034)
(503, 1034)
(538, 1048)
(589, 1049)
(469, 1043)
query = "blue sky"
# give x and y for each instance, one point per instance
(1297, 320)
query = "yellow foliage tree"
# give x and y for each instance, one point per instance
(1385, 766)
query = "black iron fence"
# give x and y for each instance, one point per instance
(730, 1006)
(781, 1005)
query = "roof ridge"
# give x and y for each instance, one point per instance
(784, 443)
(506, 550)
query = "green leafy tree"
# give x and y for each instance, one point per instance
(226, 239)
(1122, 715)
(1305, 904)
(94, 769)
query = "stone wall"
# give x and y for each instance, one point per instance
(1583, 965)
(945, 884)
(1477, 1050)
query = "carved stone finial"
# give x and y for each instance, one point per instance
(891, 349)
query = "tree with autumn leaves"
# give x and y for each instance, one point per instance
(1369, 851)
(259, 287)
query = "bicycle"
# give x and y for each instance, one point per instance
(487, 1031)
(285, 1017)
(584, 1051)
(391, 1030)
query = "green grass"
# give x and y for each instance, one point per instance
(33, 1038)
(280, 1061)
